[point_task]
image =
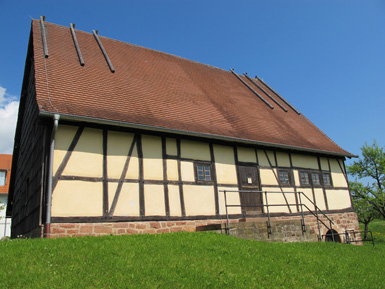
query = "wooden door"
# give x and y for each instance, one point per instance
(248, 177)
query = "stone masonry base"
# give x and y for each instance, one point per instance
(289, 228)
(343, 222)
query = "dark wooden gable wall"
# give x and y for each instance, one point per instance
(28, 172)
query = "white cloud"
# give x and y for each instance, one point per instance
(8, 116)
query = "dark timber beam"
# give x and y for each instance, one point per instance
(122, 177)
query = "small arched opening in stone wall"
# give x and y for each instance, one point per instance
(332, 236)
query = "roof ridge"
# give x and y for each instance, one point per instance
(139, 46)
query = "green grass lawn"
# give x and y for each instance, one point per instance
(188, 260)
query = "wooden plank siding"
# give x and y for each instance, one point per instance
(27, 188)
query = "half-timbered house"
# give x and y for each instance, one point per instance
(113, 138)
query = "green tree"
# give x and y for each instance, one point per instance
(371, 168)
(365, 210)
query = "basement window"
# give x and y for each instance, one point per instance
(203, 172)
(3, 177)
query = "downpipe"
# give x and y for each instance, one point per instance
(47, 225)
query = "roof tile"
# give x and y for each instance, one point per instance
(157, 89)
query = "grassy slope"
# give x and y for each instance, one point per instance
(187, 260)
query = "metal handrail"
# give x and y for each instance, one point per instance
(348, 239)
(317, 209)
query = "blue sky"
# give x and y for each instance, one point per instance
(325, 57)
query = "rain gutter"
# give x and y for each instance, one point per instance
(47, 226)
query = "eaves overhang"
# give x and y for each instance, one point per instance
(78, 118)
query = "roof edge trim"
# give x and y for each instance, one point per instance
(70, 117)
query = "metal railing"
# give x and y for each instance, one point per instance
(298, 205)
(350, 236)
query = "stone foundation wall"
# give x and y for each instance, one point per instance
(342, 222)
(289, 228)
(281, 231)
(126, 228)
(284, 229)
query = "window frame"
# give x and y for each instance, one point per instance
(289, 177)
(330, 179)
(318, 184)
(205, 165)
(5, 178)
(310, 178)
(308, 184)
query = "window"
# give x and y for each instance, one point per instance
(326, 179)
(3, 177)
(315, 179)
(304, 177)
(203, 173)
(284, 177)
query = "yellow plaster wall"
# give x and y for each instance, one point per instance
(283, 159)
(133, 167)
(195, 150)
(63, 138)
(174, 200)
(172, 170)
(291, 199)
(154, 200)
(268, 177)
(338, 177)
(118, 146)
(87, 157)
(296, 178)
(324, 164)
(152, 157)
(199, 200)
(77, 199)
(232, 199)
(338, 199)
(171, 148)
(277, 198)
(246, 155)
(187, 171)
(263, 161)
(128, 201)
(304, 161)
(225, 164)
(320, 199)
(309, 193)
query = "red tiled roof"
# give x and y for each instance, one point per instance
(5, 165)
(163, 91)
